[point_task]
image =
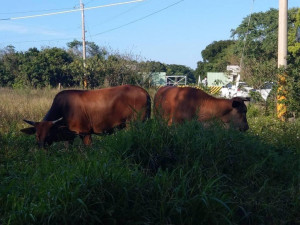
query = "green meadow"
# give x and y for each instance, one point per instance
(149, 173)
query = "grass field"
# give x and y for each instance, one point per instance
(150, 173)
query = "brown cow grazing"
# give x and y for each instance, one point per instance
(82, 112)
(177, 104)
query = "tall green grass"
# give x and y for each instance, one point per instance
(154, 174)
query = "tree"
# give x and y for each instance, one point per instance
(92, 49)
(152, 66)
(260, 52)
(9, 66)
(216, 56)
(32, 70)
(260, 35)
(95, 71)
(216, 51)
(294, 65)
(45, 68)
(260, 39)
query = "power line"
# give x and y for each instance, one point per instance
(118, 15)
(53, 40)
(44, 10)
(134, 21)
(88, 2)
(139, 19)
(69, 11)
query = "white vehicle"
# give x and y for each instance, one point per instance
(228, 91)
(265, 90)
(243, 90)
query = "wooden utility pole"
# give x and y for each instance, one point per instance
(83, 44)
(282, 58)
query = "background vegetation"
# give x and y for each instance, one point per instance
(254, 47)
(50, 66)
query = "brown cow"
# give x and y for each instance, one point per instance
(82, 112)
(177, 104)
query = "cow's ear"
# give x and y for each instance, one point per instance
(236, 104)
(29, 130)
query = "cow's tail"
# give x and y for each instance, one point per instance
(148, 107)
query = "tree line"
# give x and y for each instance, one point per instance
(49, 67)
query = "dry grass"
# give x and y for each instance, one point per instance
(16, 105)
(31, 104)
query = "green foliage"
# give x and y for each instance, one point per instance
(260, 35)
(45, 68)
(216, 57)
(257, 71)
(215, 50)
(10, 61)
(255, 49)
(294, 65)
(152, 66)
(50, 66)
(293, 45)
(92, 49)
(260, 41)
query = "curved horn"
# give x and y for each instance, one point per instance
(29, 122)
(55, 121)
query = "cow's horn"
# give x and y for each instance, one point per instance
(29, 122)
(55, 121)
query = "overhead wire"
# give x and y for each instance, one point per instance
(34, 11)
(139, 19)
(70, 11)
(118, 15)
(109, 30)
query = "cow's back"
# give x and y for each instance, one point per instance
(62, 103)
(113, 107)
(177, 104)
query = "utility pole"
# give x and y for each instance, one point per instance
(83, 45)
(282, 58)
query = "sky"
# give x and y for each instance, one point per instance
(168, 31)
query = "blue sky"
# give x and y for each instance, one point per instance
(169, 31)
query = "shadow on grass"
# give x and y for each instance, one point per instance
(150, 174)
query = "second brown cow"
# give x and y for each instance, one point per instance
(177, 104)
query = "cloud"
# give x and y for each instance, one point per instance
(14, 28)
(32, 30)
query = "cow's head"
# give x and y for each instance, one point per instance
(46, 132)
(237, 115)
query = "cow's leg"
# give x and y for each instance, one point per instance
(87, 139)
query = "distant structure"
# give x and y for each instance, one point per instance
(176, 80)
(161, 79)
(222, 78)
(158, 78)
